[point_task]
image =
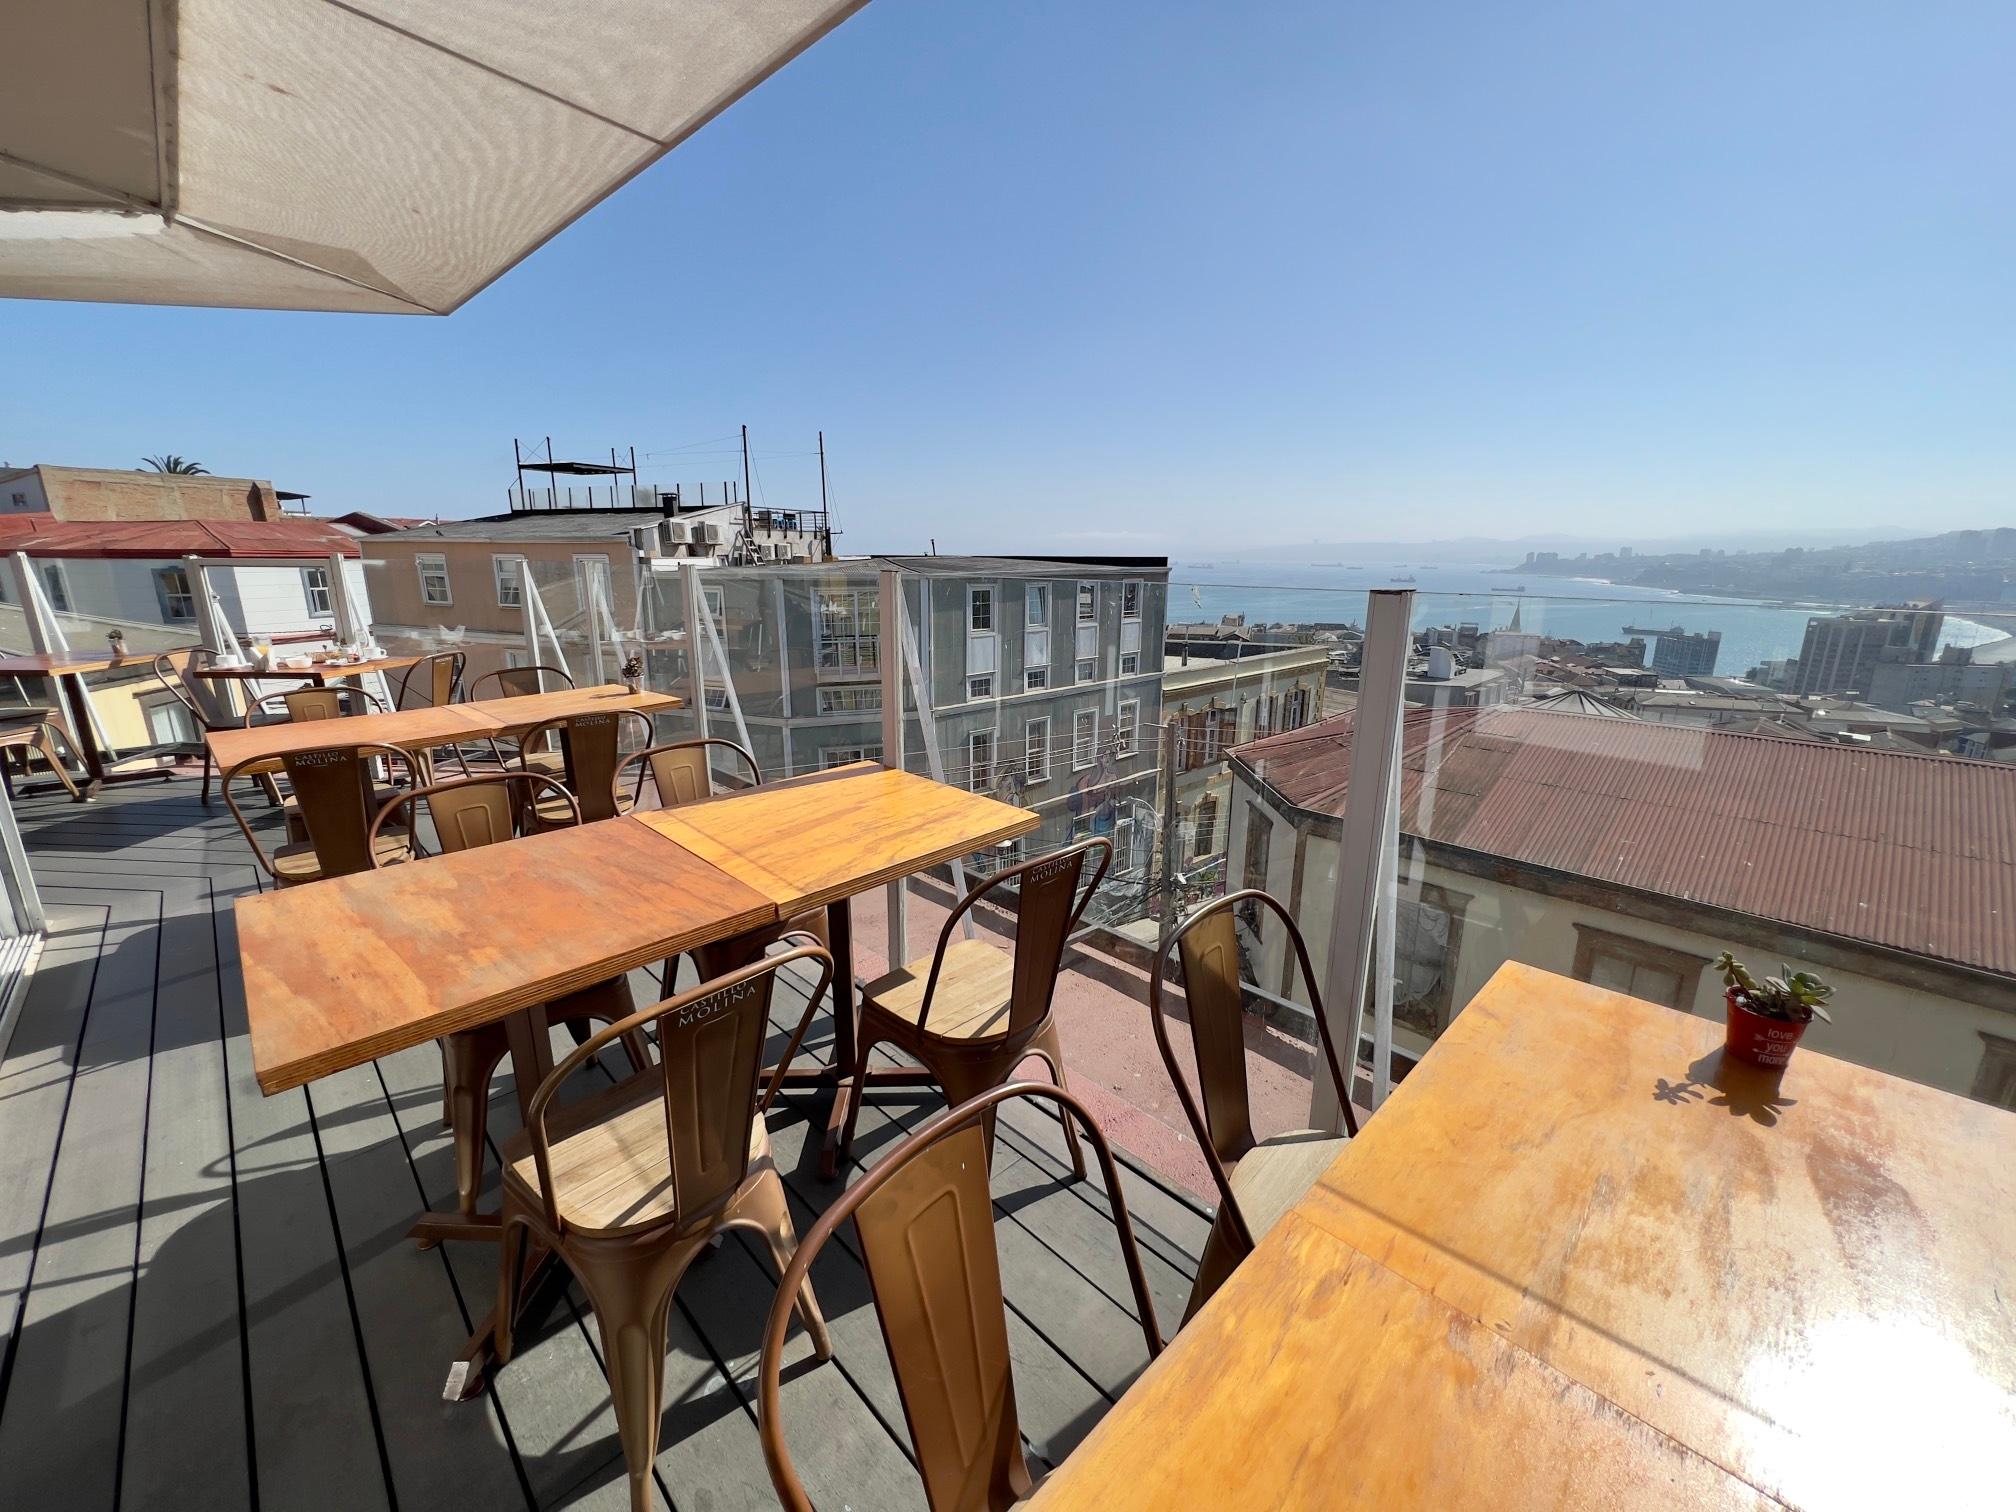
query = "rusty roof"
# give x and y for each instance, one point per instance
(1909, 851)
(44, 535)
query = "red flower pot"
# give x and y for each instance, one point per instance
(1757, 1037)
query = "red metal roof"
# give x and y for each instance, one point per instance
(44, 535)
(1914, 852)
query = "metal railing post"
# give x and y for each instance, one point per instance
(1368, 820)
(696, 681)
(889, 620)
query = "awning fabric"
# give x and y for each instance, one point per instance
(378, 155)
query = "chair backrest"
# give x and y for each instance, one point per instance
(176, 672)
(926, 1224)
(517, 682)
(1207, 944)
(591, 745)
(710, 1053)
(334, 788)
(680, 771)
(304, 704)
(469, 811)
(1048, 903)
(431, 681)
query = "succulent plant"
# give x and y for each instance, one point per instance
(1796, 996)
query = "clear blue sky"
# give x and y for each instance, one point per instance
(1058, 275)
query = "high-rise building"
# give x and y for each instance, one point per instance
(1841, 650)
(1687, 655)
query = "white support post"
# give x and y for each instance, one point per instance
(1363, 848)
(713, 637)
(342, 611)
(528, 608)
(696, 678)
(45, 635)
(928, 728)
(1382, 955)
(889, 616)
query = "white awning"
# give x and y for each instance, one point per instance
(385, 155)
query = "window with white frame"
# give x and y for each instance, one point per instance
(1035, 636)
(315, 584)
(1035, 679)
(1088, 669)
(1036, 606)
(716, 698)
(846, 630)
(1126, 727)
(1130, 663)
(509, 573)
(1036, 750)
(172, 591)
(833, 756)
(980, 609)
(1623, 963)
(980, 687)
(1088, 602)
(982, 644)
(850, 698)
(1084, 739)
(1130, 599)
(1204, 840)
(433, 572)
(980, 761)
(56, 586)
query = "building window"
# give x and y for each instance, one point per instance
(1204, 842)
(433, 579)
(1084, 739)
(171, 589)
(1427, 946)
(980, 609)
(1088, 602)
(1036, 606)
(1644, 970)
(1214, 732)
(508, 571)
(1126, 727)
(980, 687)
(1130, 599)
(846, 627)
(1295, 710)
(315, 583)
(1035, 679)
(1130, 663)
(1036, 760)
(1995, 1082)
(716, 699)
(833, 756)
(1088, 670)
(20, 501)
(855, 698)
(1259, 833)
(56, 587)
(980, 760)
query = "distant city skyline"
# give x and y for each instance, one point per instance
(1136, 278)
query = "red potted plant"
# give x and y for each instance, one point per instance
(1766, 1018)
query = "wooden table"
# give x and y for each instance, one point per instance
(321, 674)
(430, 727)
(68, 672)
(1579, 1259)
(816, 841)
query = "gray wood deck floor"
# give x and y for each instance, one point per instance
(207, 1299)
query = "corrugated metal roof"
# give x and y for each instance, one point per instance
(1914, 852)
(44, 535)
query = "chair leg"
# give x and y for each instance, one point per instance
(209, 764)
(857, 1084)
(632, 1298)
(1214, 1267)
(510, 1281)
(1051, 1051)
(470, 1059)
(963, 1081)
(637, 1049)
(765, 1206)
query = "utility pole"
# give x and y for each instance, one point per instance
(825, 510)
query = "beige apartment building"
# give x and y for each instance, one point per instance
(1221, 695)
(101, 493)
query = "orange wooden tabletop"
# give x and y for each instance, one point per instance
(818, 839)
(522, 711)
(345, 970)
(1805, 1280)
(409, 729)
(40, 664)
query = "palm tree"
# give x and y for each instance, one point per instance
(174, 464)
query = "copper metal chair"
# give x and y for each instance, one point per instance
(590, 751)
(522, 682)
(335, 791)
(299, 705)
(175, 671)
(1258, 1179)
(34, 730)
(628, 1186)
(973, 1012)
(926, 1225)
(466, 813)
(431, 681)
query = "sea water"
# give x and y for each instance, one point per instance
(1583, 609)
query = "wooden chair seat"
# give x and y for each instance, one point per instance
(547, 763)
(1278, 1172)
(297, 862)
(555, 813)
(974, 988)
(611, 1162)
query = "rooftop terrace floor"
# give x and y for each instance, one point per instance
(207, 1298)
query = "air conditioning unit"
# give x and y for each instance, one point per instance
(709, 532)
(675, 532)
(774, 550)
